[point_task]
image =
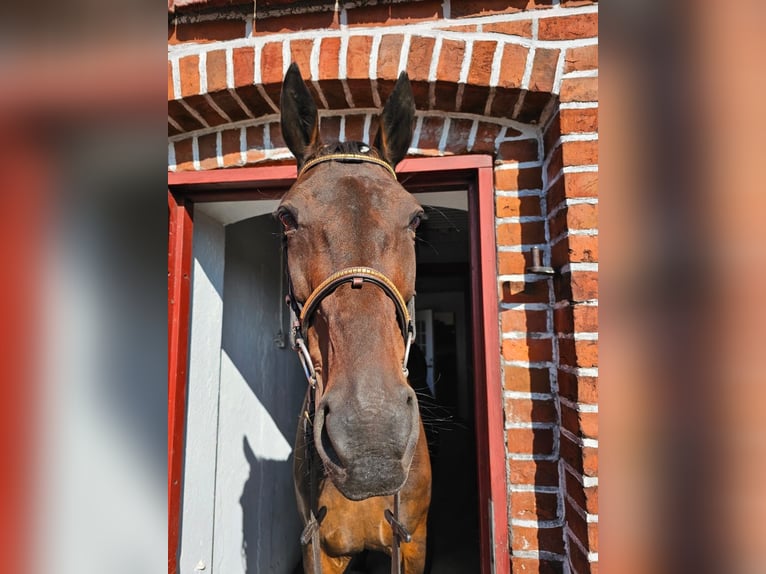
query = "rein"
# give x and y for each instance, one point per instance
(302, 314)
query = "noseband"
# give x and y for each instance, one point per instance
(357, 276)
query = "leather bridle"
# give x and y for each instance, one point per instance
(357, 276)
(302, 314)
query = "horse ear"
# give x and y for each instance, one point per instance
(396, 121)
(299, 119)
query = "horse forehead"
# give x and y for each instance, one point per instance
(355, 194)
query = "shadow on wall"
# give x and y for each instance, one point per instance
(260, 512)
(262, 390)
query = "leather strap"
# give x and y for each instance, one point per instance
(346, 157)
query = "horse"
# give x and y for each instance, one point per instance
(361, 469)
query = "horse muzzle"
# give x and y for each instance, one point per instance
(369, 452)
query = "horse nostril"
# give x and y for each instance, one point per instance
(409, 400)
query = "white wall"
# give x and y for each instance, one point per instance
(245, 393)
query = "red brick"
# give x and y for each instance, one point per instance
(388, 55)
(481, 62)
(578, 389)
(580, 562)
(207, 151)
(329, 58)
(568, 27)
(189, 68)
(295, 22)
(552, 133)
(578, 248)
(486, 134)
(512, 65)
(583, 459)
(535, 566)
(586, 533)
(209, 31)
(532, 350)
(184, 156)
(521, 28)
(216, 70)
(418, 60)
(530, 441)
(575, 121)
(581, 58)
(524, 320)
(450, 60)
(254, 137)
(518, 179)
(471, 8)
(354, 128)
(518, 150)
(457, 138)
(554, 162)
(543, 70)
(430, 132)
(243, 60)
(581, 184)
(584, 285)
(171, 89)
(524, 291)
(543, 539)
(394, 14)
(526, 380)
(584, 498)
(583, 424)
(527, 505)
(580, 152)
(582, 216)
(527, 411)
(587, 353)
(300, 53)
(537, 472)
(517, 206)
(579, 90)
(358, 60)
(521, 233)
(585, 318)
(271, 63)
(329, 129)
(408, 13)
(230, 147)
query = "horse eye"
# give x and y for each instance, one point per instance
(415, 222)
(287, 220)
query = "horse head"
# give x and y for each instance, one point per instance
(341, 213)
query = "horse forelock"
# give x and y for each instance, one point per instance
(346, 147)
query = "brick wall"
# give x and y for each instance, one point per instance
(515, 79)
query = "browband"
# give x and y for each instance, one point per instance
(351, 157)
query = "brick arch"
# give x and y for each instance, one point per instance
(490, 74)
(435, 133)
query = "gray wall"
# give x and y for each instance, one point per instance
(245, 393)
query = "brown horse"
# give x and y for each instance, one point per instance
(349, 228)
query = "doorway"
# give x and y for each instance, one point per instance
(460, 289)
(443, 307)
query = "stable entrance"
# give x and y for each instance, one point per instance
(233, 414)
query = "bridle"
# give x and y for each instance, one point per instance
(302, 314)
(357, 276)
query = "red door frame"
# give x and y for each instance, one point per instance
(471, 172)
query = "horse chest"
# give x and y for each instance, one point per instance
(353, 526)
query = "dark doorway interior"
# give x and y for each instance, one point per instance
(444, 288)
